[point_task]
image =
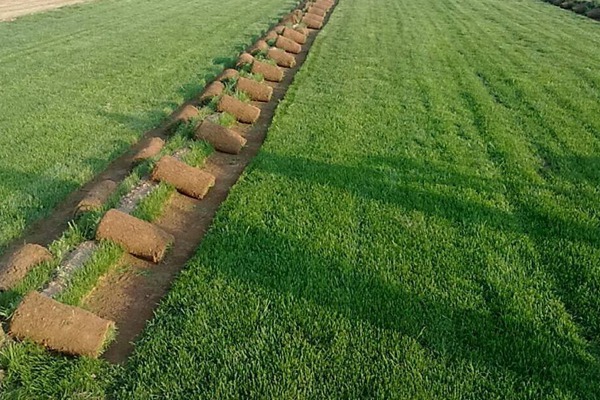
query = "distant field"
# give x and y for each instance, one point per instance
(421, 223)
(80, 84)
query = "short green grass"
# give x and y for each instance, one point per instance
(422, 222)
(80, 84)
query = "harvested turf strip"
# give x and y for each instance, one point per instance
(294, 35)
(288, 45)
(186, 179)
(269, 72)
(151, 149)
(62, 328)
(138, 237)
(220, 138)
(214, 89)
(256, 90)
(72, 262)
(21, 262)
(281, 57)
(243, 112)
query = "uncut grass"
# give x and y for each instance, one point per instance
(431, 231)
(80, 84)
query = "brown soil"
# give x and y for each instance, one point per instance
(229, 73)
(269, 72)
(97, 196)
(11, 9)
(214, 89)
(294, 35)
(288, 45)
(220, 137)
(188, 180)
(258, 47)
(21, 262)
(256, 90)
(152, 148)
(60, 327)
(243, 112)
(138, 237)
(282, 58)
(311, 22)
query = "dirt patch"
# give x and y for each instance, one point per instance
(256, 90)
(188, 180)
(243, 112)
(220, 137)
(138, 237)
(11, 9)
(60, 327)
(21, 262)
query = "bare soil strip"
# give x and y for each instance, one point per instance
(11, 9)
(129, 295)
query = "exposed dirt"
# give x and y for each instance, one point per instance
(11, 9)
(60, 327)
(129, 295)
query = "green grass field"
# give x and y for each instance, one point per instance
(422, 222)
(79, 85)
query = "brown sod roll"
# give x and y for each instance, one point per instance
(138, 237)
(282, 58)
(186, 179)
(214, 89)
(303, 30)
(279, 29)
(288, 45)
(57, 326)
(229, 73)
(315, 17)
(184, 114)
(21, 262)
(594, 14)
(312, 22)
(101, 192)
(271, 35)
(258, 47)
(154, 146)
(294, 35)
(317, 11)
(243, 112)
(256, 90)
(244, 59)
(324, 4)
(220, 137)
(269, 72)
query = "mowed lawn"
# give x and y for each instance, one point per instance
(80, 84)
(422, 222)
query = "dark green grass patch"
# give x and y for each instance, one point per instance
(430, 230)
(80, 84)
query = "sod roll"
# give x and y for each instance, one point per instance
(294, 35)
(102, 191)
(321, 12)
(184, 114)
(138, 237)
(269, 72)
(60, 327)
(21, 262)
(282, 58)
(244, 59)
(256, 90)
(288, 45)
(312, 23)
(258, 47)
(151, 149)
(243, 112)
(229, 73)
(220, 138)
(212, 90)
(186, 179)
